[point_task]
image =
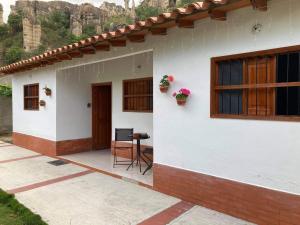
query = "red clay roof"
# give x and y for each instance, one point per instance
(181, 17)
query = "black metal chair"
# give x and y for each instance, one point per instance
(122, 135)
(148, 154)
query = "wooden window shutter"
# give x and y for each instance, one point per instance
(260, 101)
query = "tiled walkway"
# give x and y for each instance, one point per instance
(103, 160)
(72, 194)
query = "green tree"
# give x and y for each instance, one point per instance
(3, 32)
(56, 20)
(13, 54)
(143, 12)
(56, 29)
(113, 22)
(41, 49)
(15, 22)
(89, 30)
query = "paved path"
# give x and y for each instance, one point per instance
(72, 194)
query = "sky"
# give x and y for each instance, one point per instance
(6, 4)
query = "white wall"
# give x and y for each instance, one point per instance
(37, 123)
(74, 88)
(263, 153)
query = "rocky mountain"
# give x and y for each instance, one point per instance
(80, 16)
(81, 19)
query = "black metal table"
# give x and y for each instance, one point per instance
(138, 137)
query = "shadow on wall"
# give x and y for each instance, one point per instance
(5, 115)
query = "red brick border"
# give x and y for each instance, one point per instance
(48, 182)
(256, 204)
(52, 148)
(169, 214)
(21, 158)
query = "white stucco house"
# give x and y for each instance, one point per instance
(234, 146)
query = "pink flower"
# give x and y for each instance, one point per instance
(170, 78)
(174, 94)
(185, 91)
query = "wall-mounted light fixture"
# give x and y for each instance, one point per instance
(256, 28)
(42, 103)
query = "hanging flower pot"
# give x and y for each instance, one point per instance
(182, 96)
(181, 102)
(165, 83)
(163, 89)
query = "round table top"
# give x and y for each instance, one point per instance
(140, 136)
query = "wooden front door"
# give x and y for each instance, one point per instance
(102, 115)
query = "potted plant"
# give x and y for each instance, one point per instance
(182, 96)
(165, 83)
(48, 91)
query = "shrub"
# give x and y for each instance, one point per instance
(116, 21)
(4, 31)
(15, 22)
(5, 91)
(13, 54)
(89, 30)
(143, 12)
(183, 3)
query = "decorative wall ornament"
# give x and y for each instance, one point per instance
(48, 91)
(165, 83)
(182, 96)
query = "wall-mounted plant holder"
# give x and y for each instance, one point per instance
(48, 91)
(163, 89)
(182, 96)
(165, 83)
(42, 103)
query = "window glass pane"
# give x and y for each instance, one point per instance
(31, 97)
(282, 68)
(293, 70)
(231, 72)
(230, 102)
(224, 73)
(288, 101)
(236, 73)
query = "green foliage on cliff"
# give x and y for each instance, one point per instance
(15, 22)
(183, 3)
(3, 32)
(56, 31)
(89, 30)
(144, 12)
(115, 21)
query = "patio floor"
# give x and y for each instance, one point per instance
(103, 160)
(71, 194)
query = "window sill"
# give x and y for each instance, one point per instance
(267, 118)
(134, 111)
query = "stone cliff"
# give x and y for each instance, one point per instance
(1, 14)
(80, 16)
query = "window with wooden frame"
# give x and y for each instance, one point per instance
(138, 95)
(31, 97)
(261, 85)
